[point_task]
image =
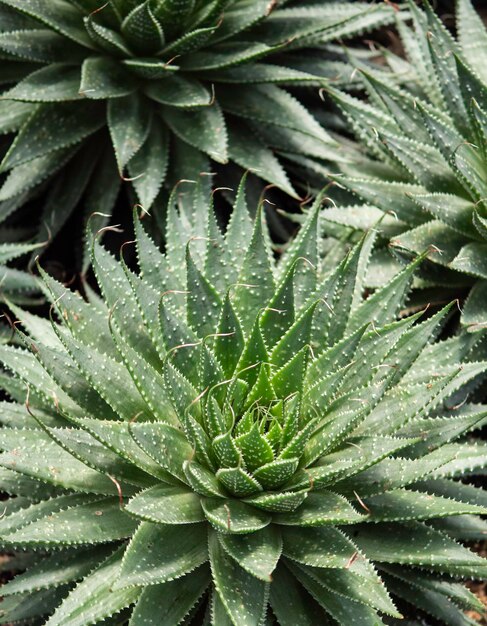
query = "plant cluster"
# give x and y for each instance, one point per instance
(430, 146)
(95, 92)
(258, 436)
(220, 430)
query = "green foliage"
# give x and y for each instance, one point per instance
(17, 285)
(430, 139)
(227, 429)
(92, 92)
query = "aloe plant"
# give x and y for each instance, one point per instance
(224, 438)
(95, 91)
(429, 143)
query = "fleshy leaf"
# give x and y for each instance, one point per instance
(167, 505)
(234, 516)
(171, 601)
(129, 121)
(160, 553)
(95, 598)
(245, 602)
(258, 553)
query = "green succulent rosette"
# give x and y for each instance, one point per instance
(222, 438)
(424, 159)
(92, 92)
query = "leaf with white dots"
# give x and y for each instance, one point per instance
(160, 553)
(290, 602)
(57, 569)
(243, 596)
(38, 135)
(258, 553)
(96, 522)
(94, 599)
(413, 543)
(165, 445)
(129, 119)
(255, 279)
(168, 603)
(203, 302)
(342, 609)
(35, 454)
(167, 505)
(203, 129)
(234, 516)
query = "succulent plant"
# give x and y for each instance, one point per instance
(430, 146)
(224, 438)
(97, 91)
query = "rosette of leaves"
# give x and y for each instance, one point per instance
(224, 439)
(430, 142)
(97, 91)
